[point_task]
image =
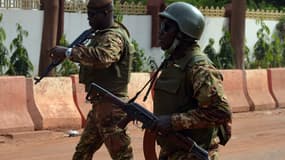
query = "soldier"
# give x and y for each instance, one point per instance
(188, 94)
(106, 60)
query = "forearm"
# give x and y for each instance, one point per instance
(97, 57)
(201, 118)
(212, 106)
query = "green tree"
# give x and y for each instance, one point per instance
(280, 28)
(4, 62)
(138, 58)
(247, 60)
(226, 54)
(276, 49)
(212, 53)
(262, 47)
(19, 61)
(266, 4)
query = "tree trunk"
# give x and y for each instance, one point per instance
(60, 29)
(52, 30)
(238, 31)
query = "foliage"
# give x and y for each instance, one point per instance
(137, 63)
(269, 50)
(67, 67)
(266, 4)
(226, 54)
(278, 44)
(19, 61)
(247, 60)
(276, 49)
(118, 15)
(280, 28)
(4, 62)
(140, 62)
(212, 53)
(261, 51)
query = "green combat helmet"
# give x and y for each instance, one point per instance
(189, 19)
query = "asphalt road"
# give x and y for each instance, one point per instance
(256, 136)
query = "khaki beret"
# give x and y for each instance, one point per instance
(98, 3)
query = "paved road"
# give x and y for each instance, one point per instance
(256, 136)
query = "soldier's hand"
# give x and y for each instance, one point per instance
(163, 124)
(57, 53)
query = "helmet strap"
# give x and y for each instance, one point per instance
(175, 43)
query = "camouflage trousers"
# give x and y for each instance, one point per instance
(101, 129)
(181, 155)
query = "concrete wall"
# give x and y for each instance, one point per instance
(139, 27)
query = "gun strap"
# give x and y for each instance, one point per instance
(149, 151)
(151, 81)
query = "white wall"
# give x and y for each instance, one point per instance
(213, 29)
(252, 28)
(138, 25)
(30, 20)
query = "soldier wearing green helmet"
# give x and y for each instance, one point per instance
(188, 94)
(188, 18)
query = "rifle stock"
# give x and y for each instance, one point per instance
(79, 40)
(136, 112)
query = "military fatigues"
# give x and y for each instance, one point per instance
(106, 61)
(190, 90)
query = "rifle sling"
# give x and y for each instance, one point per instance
(149, 140)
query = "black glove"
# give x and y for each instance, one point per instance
(163, 124)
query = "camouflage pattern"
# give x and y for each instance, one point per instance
(191, 92)
(107, 54)
(103, 49)
(102, 128)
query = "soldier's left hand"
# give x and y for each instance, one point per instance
(58, 53)
(163, 124)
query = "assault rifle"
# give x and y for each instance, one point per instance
(136, 112)
(79, 40)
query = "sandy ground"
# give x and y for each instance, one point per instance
(256, 136)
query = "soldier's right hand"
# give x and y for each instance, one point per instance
(163, 124)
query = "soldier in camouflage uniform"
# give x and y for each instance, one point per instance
(106, 60)
(188, 94)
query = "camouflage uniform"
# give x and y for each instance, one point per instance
(106, 60)
(190, 90)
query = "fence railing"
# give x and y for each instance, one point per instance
(23, 4)
(250, 13)
(73, 6)
(138, 9)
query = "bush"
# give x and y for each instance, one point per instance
(140, 62)
(19, 61)
(226, 54)
(4, 62)
(211, 52)
(261, 51)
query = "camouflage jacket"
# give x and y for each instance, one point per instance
(106, 59)
(190, 90)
